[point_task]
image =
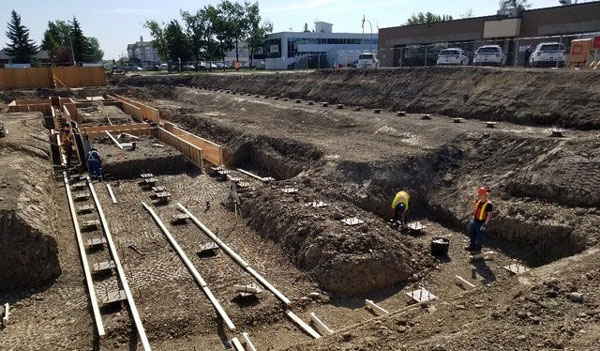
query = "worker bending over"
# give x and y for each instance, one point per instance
(481, 217)
(400, 207)
(94, 163)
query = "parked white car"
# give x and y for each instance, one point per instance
(452, 56)
(549, 55)
(489, 55)
(367, 60)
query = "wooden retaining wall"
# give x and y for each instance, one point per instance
(147, 112)
(137, 129)
(52, 77)
(192, 152)
(213, 153)
(29, 105)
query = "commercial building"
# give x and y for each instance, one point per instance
(143, 52)
(514, 31)
(318, 49)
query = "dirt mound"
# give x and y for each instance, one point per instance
(536, 97)
(346, 260)
(28, 249)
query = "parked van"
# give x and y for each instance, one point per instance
(489, 55)
(367, 60)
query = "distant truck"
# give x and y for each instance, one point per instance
(367, 60)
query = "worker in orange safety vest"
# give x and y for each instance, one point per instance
(481, 217)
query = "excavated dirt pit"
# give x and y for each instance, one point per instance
(354, 161)
(149, 156)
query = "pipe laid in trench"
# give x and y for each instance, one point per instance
(240, 261)
(193, 271)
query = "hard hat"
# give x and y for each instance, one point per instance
(482, 191)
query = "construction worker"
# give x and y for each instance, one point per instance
(94, 163)
(481, 217)
(400, 207)
(67, 144)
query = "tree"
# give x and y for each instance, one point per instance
(201, 32)
(94, 54)
(159, 41)
(427, 18)
(520, 5)
(79, 43)
(234, 21)
(468, 14)
(178, 45)
(258, 32)
(56, 41)
(306, 30)
(20, 48)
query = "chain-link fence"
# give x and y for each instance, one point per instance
(516, 52)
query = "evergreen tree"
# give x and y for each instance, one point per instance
(79, 42)
(178, 44)
(306, 30)
(20, 48)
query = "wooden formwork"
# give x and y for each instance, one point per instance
(147, 112)
(191, 151)
(133, 111)
(51, 77)
(213, 153)
(41, 105)
(137, 129)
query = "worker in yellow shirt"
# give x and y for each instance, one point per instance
(400, 207)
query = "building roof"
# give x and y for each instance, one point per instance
(41, 55)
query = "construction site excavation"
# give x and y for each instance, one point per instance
(256, 212)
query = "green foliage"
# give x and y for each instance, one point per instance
(428, 17)
(210, 32)
(178, 45)
(95, 54)
(520, 5)
(20, 47)
(306, 30)
(60, 36)
(159, 41)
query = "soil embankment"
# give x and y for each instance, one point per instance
(28, 247)
(534, 97)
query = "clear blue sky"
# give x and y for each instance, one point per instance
(117, 23)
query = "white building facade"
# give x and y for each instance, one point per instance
(144, 51)
(319, 49)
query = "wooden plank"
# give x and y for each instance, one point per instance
(133, 111)
(192, 269)
(114, 140)
(212, 152)
(112, 195)
(115, 256)
(237, 345)
(238, 259)
(302, 325)
(463, 280)
(84, 262)
(147, 112)
(375, 308)
(320, 324)
(6, 315)
(249, 344)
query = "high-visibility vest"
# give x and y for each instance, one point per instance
(402, 197)
(93, 156)
(480, 210)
